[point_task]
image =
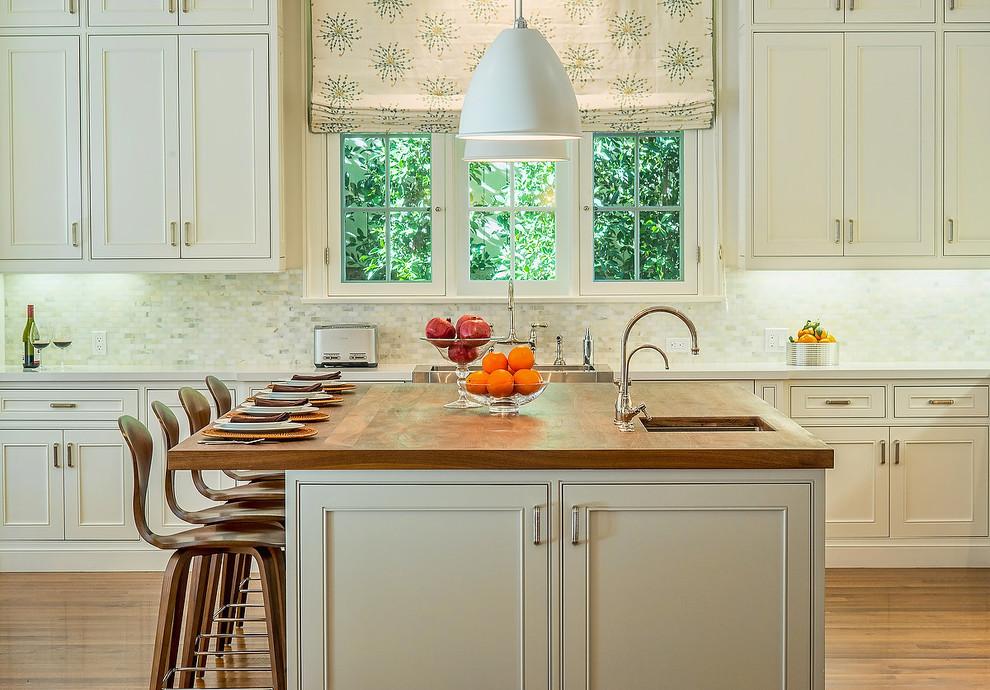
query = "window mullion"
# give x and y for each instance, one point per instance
(636, 217)
(388, 216)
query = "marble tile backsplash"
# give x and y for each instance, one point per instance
(219, 320)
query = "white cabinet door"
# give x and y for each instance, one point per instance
(938, 482)
(40, 193)
(224, 147)
(839, 11)
(687, 586)
(856, 488)
(422, 587)
(967, 11)
(967, 144)
(889, 196)
(98, 485)
(857, 11)
(39, 13)
(221, 12)
(177, 12)
(134, 146)
(797, 187)
(31, 484)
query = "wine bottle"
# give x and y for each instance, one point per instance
(30, 329)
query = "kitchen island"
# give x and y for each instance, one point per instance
(435, 548)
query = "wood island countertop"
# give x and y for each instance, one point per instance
(405, 426)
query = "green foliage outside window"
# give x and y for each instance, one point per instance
(512, 221)
(387, 220)
(638, 207)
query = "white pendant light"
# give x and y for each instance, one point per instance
(515, 151)
(520, 91)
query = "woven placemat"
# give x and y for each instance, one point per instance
(339, 387)
(298, 416)
(287, 435)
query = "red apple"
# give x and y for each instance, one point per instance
(461, 353)
(463, 319)
(440, 331)
(474, 331)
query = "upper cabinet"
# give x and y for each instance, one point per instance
(40, 193)
(843, 11)
(176, 12)
(24, 13)
(844, 144)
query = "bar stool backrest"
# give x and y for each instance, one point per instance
(220, 393)
(168, 421)
(140, 443)
(197, 408)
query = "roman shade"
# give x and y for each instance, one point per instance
(400, 66)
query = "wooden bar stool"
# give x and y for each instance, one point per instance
(260, 542)
(222, 399)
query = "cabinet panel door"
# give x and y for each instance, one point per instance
(967, 11)
(938, 482)
(797, 183)
(40, 193)
(890, 144)
(889, 10)
(967, 144)
(856, 493)
(39, 13)
(134, 146)
(702, 586)
(31, 484)
(224, 147)
(134, 12)
(443, 583)
(98, 485)
(797, 11)
(221, 12)
(849, 11)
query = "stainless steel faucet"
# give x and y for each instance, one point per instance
(512, 338)
(624, 410)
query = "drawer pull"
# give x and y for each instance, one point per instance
(942, 402)
(838, 402)
(58, 406)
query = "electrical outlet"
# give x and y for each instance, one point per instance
(678, 345)
(775, 339)
(100, 343)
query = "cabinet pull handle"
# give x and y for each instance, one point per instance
(951, 229)
(55, 451)
(75, 234)
(537, 537)
(838, 5)
(897, 452)
(68, 455)
(850, 222)
(883, 452)
(838, 231)
(188, 228)
(172, 239)
(952, 4)
(838, 402)
(58, 406)
(72, 6)
(575, 519)
(185, 5)
(947, 401)
(171, 6)
(852, 5)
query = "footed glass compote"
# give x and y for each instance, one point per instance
(504, 405)
(461, 353)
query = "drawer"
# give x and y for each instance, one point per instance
(61, 405)
(839, 401)
(941, 401)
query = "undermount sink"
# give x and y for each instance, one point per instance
(706, 424)
(555, 373)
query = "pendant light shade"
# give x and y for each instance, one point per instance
(520, 91)
(515, 151)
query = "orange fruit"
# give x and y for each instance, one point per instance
(477, 382)
(807, 338)
(500, 383)
(493, 361)
(527, 381)
(521, 357)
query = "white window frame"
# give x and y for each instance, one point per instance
(336, 286)
(690, 193)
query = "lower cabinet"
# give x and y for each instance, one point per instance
(65, 484)
(924, 481)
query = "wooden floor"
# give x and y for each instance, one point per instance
(884, 629)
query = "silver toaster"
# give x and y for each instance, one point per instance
(346, 345)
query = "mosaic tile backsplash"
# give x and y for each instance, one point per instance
(219, 320)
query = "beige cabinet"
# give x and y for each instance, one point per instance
(857, 496)
(177, 12)
(967, 11)
(843, 144)
(842, 11)
(25, 13)
(40, 192)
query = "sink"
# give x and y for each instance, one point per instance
(561, 373)
(706, 424)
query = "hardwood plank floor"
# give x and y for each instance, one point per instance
(902, 628)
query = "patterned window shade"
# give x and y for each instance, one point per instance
(403, 66)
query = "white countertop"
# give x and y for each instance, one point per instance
(140, 373)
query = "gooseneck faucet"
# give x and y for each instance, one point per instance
(624, 410)
(512, 338)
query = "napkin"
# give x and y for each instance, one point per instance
(268, 402)
(258, 418)
(329, 376)
(282, 388)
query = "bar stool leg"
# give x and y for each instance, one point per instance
(269, 567)
(170, 611)
(196, 613)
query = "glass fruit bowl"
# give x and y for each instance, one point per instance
(461, 353)
(522, 394)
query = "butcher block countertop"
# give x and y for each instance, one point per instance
(405, 426)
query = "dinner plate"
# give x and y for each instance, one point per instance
(272, 395)
(251, 408)
(249, 427)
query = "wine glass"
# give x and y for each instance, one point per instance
(62, 339)
(40, 339)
